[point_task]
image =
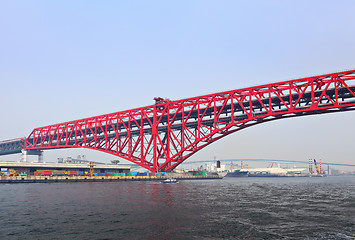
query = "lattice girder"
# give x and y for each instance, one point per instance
(160, 137)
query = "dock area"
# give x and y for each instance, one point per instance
(54, 179)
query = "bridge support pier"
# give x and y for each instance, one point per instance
(25, 153)
(40, 157)
(23, 156)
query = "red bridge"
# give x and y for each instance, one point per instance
(161, 136)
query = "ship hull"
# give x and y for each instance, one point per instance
(237, 174)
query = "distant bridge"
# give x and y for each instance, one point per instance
(162, 136)
(268, 160)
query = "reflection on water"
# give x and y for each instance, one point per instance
(238, 208)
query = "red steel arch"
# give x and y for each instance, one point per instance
(161, 136)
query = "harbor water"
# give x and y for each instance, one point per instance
(231, 208)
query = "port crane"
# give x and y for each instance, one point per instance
(310, 166)
(318, 167)
(271, 165)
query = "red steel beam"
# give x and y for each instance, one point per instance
(161, 136)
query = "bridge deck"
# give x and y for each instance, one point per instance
(12, 146)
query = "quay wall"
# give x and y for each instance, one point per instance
(49, 179)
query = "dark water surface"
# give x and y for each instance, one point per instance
(238, 208)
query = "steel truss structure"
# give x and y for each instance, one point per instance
(161, 136)
(11, 146)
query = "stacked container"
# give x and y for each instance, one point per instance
(46, 173)
(58, 173)
(72, 173)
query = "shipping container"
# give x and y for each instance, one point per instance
(80, 173)
(95, 174)
(72, 173)
(46, 173)
(108, 174)
(58, 173)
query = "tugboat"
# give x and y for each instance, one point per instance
(170, 180)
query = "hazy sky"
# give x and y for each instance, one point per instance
(65, 60)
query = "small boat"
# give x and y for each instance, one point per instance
(170, 180)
